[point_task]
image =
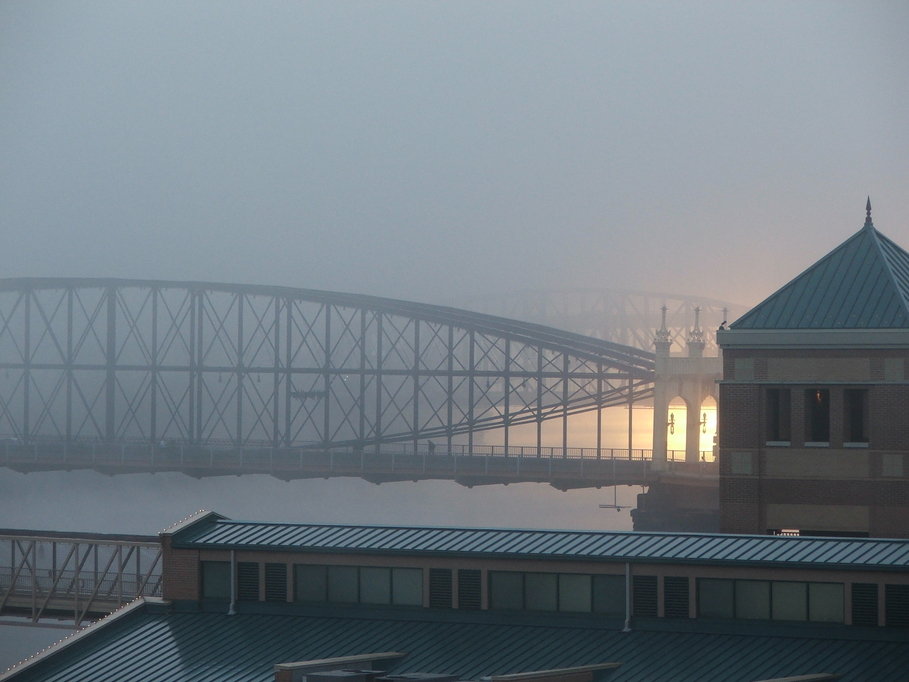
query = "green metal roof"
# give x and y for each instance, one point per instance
(215, 532)
(862, 284)
(160, 643)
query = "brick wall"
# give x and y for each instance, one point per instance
(180, 570)
(889, 417)
(739, 508)
(739, 416)
(836, 477)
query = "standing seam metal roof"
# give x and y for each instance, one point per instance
(862, 284)
(168, 644)
(222, 533)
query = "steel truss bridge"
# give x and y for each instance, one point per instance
(112, 363)
(74, 577)
(622, 316)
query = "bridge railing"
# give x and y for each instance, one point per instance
(15, 450)
(70, 583)
(50, 573)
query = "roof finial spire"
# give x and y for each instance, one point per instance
(868, 212)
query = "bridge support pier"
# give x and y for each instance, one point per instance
(679, 506)
(693, 379)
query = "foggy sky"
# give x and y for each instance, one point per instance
(435, 151)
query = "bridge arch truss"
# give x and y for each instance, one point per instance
(155, 361)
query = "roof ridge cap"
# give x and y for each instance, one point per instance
(878, 243)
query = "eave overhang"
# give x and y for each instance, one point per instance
(813, 338)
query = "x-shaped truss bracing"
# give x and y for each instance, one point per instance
(75, 577)
(166, 362)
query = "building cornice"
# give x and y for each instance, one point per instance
(813, 338)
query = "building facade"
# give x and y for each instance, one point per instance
(279, 602)
(814, 401)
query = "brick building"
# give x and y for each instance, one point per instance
(814, 401)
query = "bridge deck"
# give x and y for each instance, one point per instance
(562, 468)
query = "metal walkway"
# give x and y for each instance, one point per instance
(75, 576)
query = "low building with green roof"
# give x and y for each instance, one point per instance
(291, 602)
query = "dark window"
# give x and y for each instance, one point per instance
(644, 596)
(506, 591)
(775, 600)
(675, 597)
(855, 419)
(275, 582)
(778, 411)
(825, 602)
(896, 611)
(715, 598)
(864, 604)
(357, 585)
(311, 583)
(440, 588)
(407, 586)
(789, 600)
(247, 581)
(469, 588)
(567, 592)
(609, 594)
(817, 415)
(752, 599)
(375, 585)
(574, 592)
(215, 580)
(343, 584)
(541, 591)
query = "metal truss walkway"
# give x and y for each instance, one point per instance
(228, 367)
(75, 576)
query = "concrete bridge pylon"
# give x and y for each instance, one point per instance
(692, 378)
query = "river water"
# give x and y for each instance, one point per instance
(147, 503)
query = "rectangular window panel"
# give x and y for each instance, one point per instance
(817, 415)
(343, 585)
(440, 588)
(407, 587)
(609, 594)
(864, 604)
(469, 582)
(375, 585)
(675, 597)
(275, 582)
(790, 600)
(778, 415)
(247, 581)
(855, 419)
(574, 593)
(540, 591)
(310, 583)
(825, 602)
(752, 599)
(506, 590)
(715, 598)
(216, 580)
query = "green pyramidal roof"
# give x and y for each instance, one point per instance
(862, 284)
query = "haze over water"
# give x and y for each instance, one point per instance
(434, 152)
